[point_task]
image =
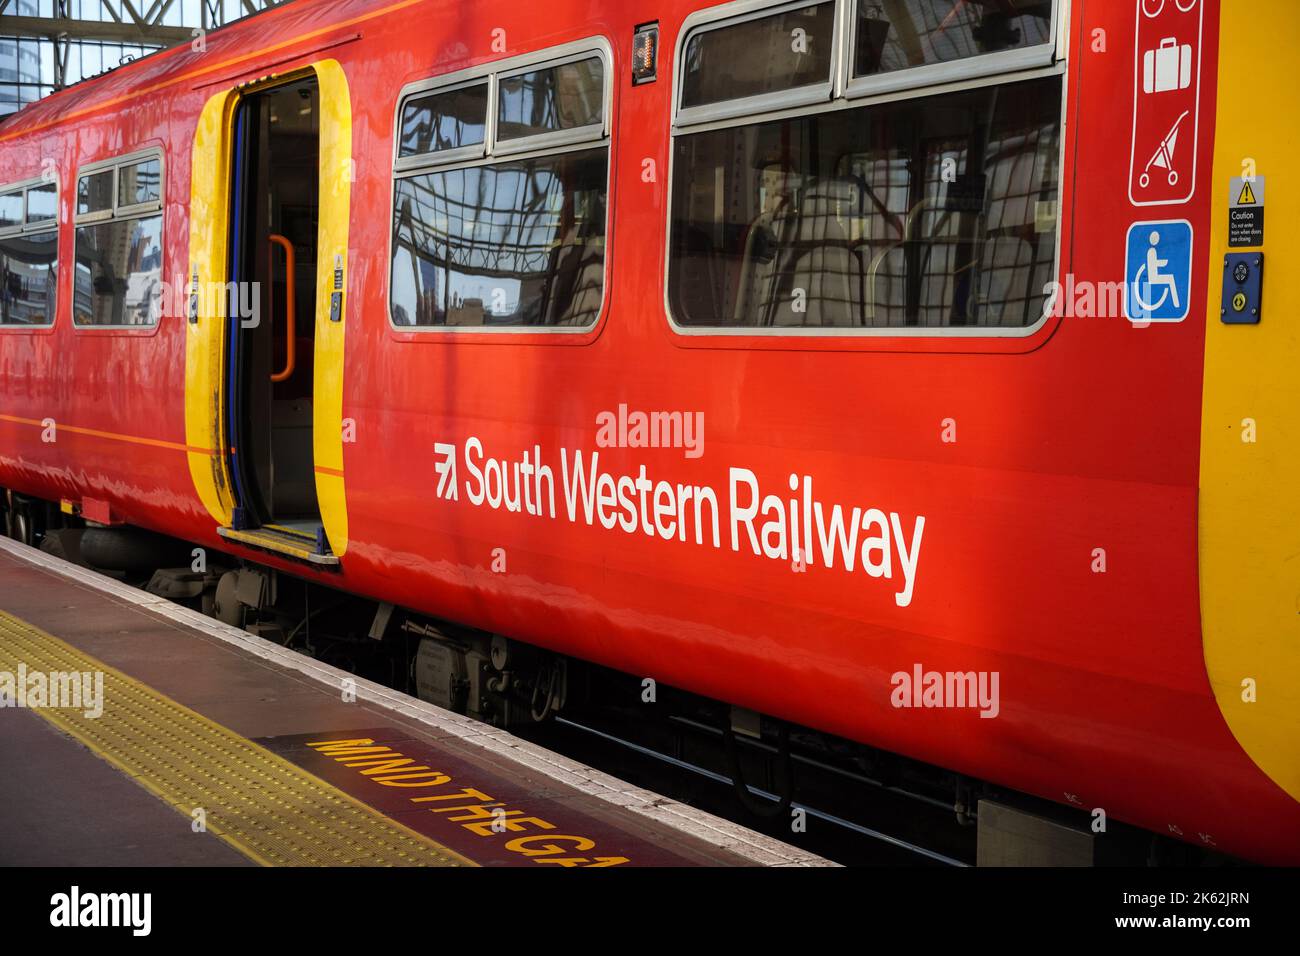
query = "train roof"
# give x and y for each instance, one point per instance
(220, 56)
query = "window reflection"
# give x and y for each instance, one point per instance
(897, 34)
(567, 96)
(118, 277)
(512, 244)
(42, 203)
(95, 192)
(11, 209)
(444, 120)
(138, 183)
(754, 57)
(29, 268)
(934, 212)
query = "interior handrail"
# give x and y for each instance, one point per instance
(929, 202)
(290, 333)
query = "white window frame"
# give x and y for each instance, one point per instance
(559, 137)
(118, 213)
(842, 84)
(921, 82)
(39, 227)
(117, 210)
(491, 72)
(728, 15)
(456, 154)
(487, 153)
(98, 214)
(952, 71)
(120, 210)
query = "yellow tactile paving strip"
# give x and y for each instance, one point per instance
(273, 812)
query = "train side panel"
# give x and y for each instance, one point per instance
(1083, 436)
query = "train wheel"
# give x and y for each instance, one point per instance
(22, 527)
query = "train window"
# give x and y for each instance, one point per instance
(11, 209)
(29, 267)
(117, 271)
(564, 97)
(139, 183)
(446, 120)
(896, 35)
(514, 236)
(784, 57)
(42, 203)
(29, 254)
(927, 213)
(516, 243)
(95, 193)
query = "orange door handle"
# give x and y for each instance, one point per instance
(290, 333)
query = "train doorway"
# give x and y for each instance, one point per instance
(274, 217)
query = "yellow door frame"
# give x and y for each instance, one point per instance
(206, 322)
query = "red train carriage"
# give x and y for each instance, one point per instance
(719, 345)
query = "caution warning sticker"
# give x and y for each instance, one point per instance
(1246, 211)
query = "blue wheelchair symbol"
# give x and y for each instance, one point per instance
(1158, 276)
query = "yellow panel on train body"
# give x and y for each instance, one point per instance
(1250, 432)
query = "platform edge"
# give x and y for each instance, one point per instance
(715, 831)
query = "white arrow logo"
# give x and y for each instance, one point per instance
(446, 469)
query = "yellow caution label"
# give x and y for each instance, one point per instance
(1247, 197)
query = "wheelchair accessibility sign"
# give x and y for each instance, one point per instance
(1158, 275)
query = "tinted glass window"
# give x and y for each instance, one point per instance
(512, 244)
(42, 203)
(444, 120)
(95, 192)
(897, 34)
(29, 269)
(119, 272)
(935, 212)
(11, 209)
(139, 183)
(543, 101)
(753, 57)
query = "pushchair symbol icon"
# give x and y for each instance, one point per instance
(1164, 155)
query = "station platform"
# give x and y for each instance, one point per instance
(183, 741)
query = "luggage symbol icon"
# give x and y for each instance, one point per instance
(1168, 67)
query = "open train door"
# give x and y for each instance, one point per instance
(264, 358)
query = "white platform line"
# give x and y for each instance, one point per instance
(715, 831)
